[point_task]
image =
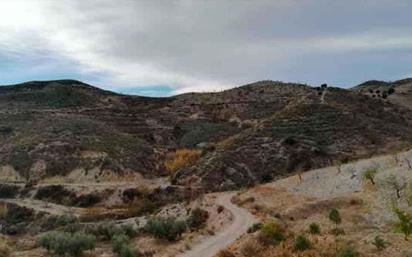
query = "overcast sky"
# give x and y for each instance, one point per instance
(167, 47)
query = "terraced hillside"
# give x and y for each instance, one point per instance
(244, 135)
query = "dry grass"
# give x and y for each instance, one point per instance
(182, 158)
(225, 253)
(4, 210)
(226, 143)
(92, 214)
(4, 248)
(55, 180)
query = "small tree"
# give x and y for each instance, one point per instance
(404, 224)
(334, 216)
(370, 174)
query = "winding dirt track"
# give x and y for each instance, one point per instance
(242, 220)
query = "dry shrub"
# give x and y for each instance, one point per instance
(4, 248)
(4, 210)
(252, 248)
(93, 213)
(182, 158)
(226, 143)
(225, 253)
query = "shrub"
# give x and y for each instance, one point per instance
(128, 251)
(404, 224)
(251, 248)
(266, 178)
(370, 174)
(379, 243)
(301, 243)
(52, 222)
(255, 227)
(4, 248)
(225, 253)
(168, 228)
(118, 241)
(334, 216)
(63, 243)
(182, 158)
(271, 233)
(314, 228)
(220, 208)
(347, 252)
(4, 210)
(108, 231)
(198, 218)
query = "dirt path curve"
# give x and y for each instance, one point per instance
(242, 220)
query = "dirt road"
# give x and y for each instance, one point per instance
(242, 220)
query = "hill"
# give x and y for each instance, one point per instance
(246, 135)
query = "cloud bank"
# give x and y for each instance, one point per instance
(168, 47)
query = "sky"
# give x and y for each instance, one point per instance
(166, 47)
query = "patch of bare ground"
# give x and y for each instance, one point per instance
(365, 204)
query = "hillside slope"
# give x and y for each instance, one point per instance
(253, 133)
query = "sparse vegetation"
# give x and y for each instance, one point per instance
(404, 224)
(301, 243)
(271, 233)
(4, 248)
(62, 243)
(255, 227)
(370, 174)
(395, 184)
(197, 218)
(314, 228)
(168, 228)
(334, 216)
(4, 210)
(182, 158)
(347, 252)
(379, 243)
(225, 253)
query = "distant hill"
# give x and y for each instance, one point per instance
(247, 135)
(398, 92)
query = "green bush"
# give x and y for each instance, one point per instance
(168, 228)
(58, 221)
(107, 231)
(118, 241)
(301, 243)
(404, 224)
(128, 251)
(334, 216)
(62, 243)
(314, 229)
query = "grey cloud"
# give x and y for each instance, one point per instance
(200, 45)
